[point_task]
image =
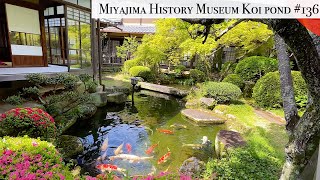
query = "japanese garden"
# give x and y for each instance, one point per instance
(195, 99)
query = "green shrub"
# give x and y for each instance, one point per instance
(31, 91)
(267, 91)
(179, 69)
(234, 79)
(91, 86)
(242, 164)
(197, 75)
(37, 79)
(128, 65)
(27, 158)
(254, 67)
(141, 71)
(85, 77)
(165, 79)
(14, 100)
(33, 122)
(222, 92)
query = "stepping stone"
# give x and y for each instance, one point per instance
(208, 103)
(226, 140)
(202, 117)
(163, 89)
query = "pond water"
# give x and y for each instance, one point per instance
(139, 126)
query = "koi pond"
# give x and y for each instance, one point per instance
(154, 120)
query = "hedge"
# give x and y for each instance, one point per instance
(267, 91)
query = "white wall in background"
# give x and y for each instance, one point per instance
(26, 50)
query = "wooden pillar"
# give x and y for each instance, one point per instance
(100, 53)
(94, 49)
(43, 33)
(66, 37)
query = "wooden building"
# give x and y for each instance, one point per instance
(36, 33)
(114, 36)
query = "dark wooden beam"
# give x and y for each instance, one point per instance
(43, 35)
(23, 4)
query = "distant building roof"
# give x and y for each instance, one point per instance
(138, 29)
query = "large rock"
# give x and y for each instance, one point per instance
(226, 140)
(202, 117)
(99, 99)
(193, 104)
(117, 98)
(87, 111)
(208, 103)
(163, 89)
(191, 166)
(80, 87)
(69, 146)
(117, 89)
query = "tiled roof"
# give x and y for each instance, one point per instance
(139, 29)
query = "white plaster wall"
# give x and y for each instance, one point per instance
(26, 50)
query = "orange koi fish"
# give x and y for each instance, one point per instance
(129, 147)
(150, 149)
(165, 131)
(165, 157)
(109, 168)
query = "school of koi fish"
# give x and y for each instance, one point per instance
(118, 154)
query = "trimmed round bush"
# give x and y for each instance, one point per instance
(197, 75)
(33, 122)
(254, 67)
(27, 158)
(267, 91)
(128, 64)
(141, 71)
(222, 92)
(234, 79)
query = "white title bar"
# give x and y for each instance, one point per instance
(252, 9)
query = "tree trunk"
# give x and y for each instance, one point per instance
(287, 90)
(305, 136)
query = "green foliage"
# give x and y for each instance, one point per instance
(14, 100)
(222, 92)
(254, 67)
(129, 46)
(36, 79)
(91, 87)
(85, 77)
(33, 122)
(128, 65)
(301, 101)
(267, 91)
(141, 71)
(249, 37)
(27, 158)
(197, 75)
(242, 164)
(180, 67)
(31, 91)
(165, 79)
(234, 79)
(69, 81)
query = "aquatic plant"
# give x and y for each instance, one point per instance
(28, 159)
(33, 122)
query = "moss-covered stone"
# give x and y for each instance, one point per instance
(69, 146)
